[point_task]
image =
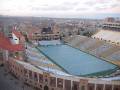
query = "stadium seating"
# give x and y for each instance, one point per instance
(37, 58)
(115, 56)
(98, 51)
(111, 36)
(97, 47)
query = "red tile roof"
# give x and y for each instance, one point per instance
(17, 33)
(7, 45)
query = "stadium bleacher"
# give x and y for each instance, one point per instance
(37, 58)
(94, 46)
(98, 51)
(108, 35)
(115, 56)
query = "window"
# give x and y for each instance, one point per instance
(100, 87)
(83, 88)
(108, 87)
(30, 74)
(40, 86)
(46, 80)
(46, 88)
(68, 84)
(40, 78)
(25, 72)
(15, 39)
(75, 87)
(59, 83)
(52, 89)
(35, 76)
(53, 81)
(116, 87)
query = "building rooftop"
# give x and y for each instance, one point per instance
(17, 33)
(6, 44)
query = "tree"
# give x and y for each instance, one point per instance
(88, 34)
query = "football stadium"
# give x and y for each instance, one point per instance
(76, 62)
(72, 63)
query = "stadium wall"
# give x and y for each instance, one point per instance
(43, 80)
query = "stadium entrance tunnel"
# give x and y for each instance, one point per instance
(46, 88)
(75, 87)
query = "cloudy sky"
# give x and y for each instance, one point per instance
(60, 8)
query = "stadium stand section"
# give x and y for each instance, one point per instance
(97, 47)
(111, 36)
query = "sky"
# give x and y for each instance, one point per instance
(61, 8)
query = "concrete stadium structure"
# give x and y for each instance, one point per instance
(43, 80)
(37, 70)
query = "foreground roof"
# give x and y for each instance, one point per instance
(18, 34)
(7, 45)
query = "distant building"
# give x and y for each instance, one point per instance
(110, 31)
(111, 26)
(11, 45)
(110, 19)
(16, 37)
(46, 33)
